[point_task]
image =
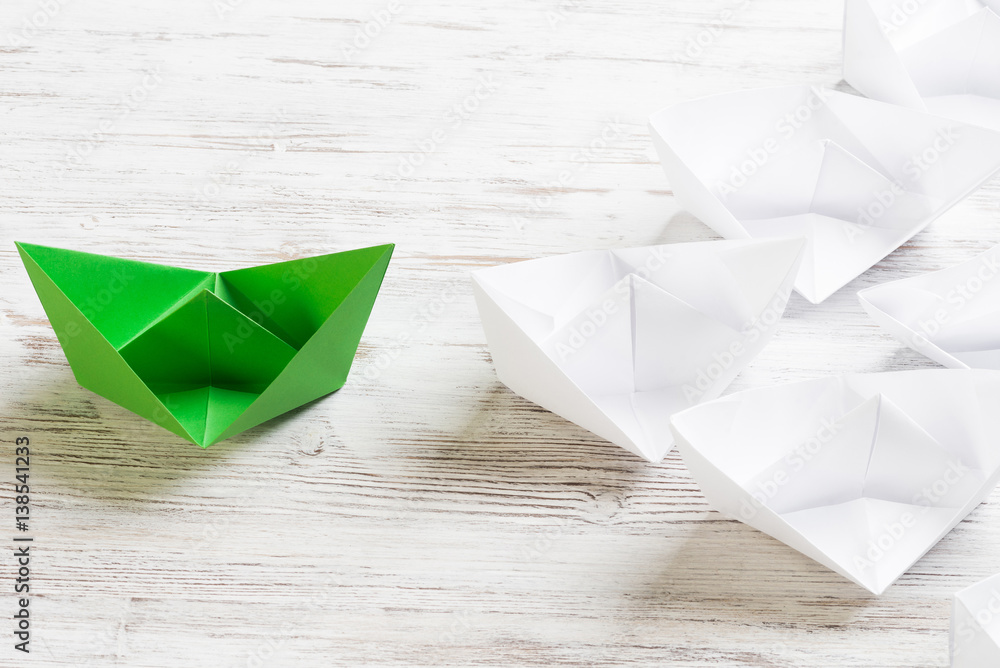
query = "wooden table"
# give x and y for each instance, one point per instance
(423, 515)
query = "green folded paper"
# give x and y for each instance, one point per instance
(208, 355)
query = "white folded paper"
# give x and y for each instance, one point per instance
(941, 56)
(863, 473)
(952, 315)
(975, 625)
(854, 176)
(616, 341)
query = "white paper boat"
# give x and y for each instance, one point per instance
(856, 177)
(617, 341)
(975, 625)
(941, 56)
(952, 315)
(863, 473)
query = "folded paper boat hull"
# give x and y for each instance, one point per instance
(862, 473)
(940, 56)
(975, 625)
(855, 177)
(952, 316)
(617, 341)
(207, 355)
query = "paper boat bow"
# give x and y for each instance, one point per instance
(616, 341)
(863, 473)
(941, 56)
(952, 315)
(207, 355)
(975, 625)
(857, 178)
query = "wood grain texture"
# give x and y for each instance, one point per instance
(423, 515)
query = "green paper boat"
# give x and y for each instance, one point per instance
(208, 355)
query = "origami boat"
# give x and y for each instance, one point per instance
(975, 625)
(863, 473)
(941, 56)
(856, 177)
(951, 316)
(207, 355)
(616, 341)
